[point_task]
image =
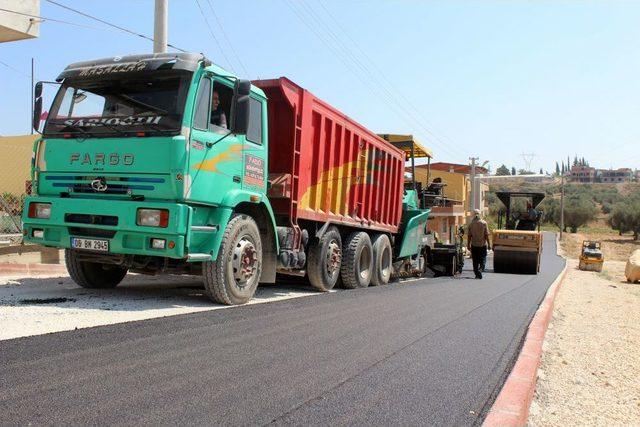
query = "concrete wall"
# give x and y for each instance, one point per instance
(17, 27)
(15, 163)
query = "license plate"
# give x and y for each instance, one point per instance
(90, 244)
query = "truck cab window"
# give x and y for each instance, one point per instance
(254, 132)
(220, 106)
(200, 118)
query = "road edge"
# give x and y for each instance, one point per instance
(511, 407)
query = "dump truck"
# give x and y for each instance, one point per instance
(517, 242)
(167, 163)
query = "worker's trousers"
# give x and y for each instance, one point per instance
(479, 257)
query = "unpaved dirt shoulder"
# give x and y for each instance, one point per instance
(590, 371)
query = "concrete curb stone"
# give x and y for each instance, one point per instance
(511, 407)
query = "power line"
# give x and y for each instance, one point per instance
(15, 70)
(126, 30)
(386, 79)
(379, 87)
(357, 67)
(44, 19)
(383, 85)
(360, 70)
(339, 54)
(224, 33)
(213, 36)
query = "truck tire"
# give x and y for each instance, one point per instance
(233, 277)
(93, 275)
(357, 265)
(325, 259)
(452, 266)
(382, 260)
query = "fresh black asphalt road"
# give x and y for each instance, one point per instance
(432, 351)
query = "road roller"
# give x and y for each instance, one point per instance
(517, 243)
(591, 256)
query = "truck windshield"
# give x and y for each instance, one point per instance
(151, 103)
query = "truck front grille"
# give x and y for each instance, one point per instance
(91, 219)
(92, 232)
(114, 184)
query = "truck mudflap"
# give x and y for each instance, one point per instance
(107, 226)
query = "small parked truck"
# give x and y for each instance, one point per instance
(166, 163)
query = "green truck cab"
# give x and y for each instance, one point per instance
(159, 164)
(132, 171)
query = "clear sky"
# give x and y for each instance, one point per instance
(493, 79)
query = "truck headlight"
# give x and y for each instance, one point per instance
(153, 217)
(39, 210)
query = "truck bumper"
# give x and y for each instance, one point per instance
(88, 218)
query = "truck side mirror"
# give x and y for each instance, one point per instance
(37, 112)
(240, 107)
(37, 91)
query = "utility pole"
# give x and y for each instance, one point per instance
(160, 26)
(472, 202)
(562, 207)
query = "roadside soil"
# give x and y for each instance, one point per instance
(590, 370)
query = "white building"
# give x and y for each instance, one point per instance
(22, 24)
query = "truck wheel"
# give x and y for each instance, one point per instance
(357, 268)
(382, 260)
(233, 277)
(325, 258)
(452, 268)
(91, 274)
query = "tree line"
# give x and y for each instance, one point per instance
(561, 167)
(582, 203)
(503, 170)
(581, 206)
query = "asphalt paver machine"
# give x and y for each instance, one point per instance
(517, 243)
(443, 258)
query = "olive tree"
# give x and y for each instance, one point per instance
(578, 211)
(625, 218)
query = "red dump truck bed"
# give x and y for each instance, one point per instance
(323, 166)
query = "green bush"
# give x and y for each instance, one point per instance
(578, 211)
(625, 217)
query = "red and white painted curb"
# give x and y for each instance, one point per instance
(28, 269)
(511, 407)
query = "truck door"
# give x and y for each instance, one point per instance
(255, 160)
(215, 156)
